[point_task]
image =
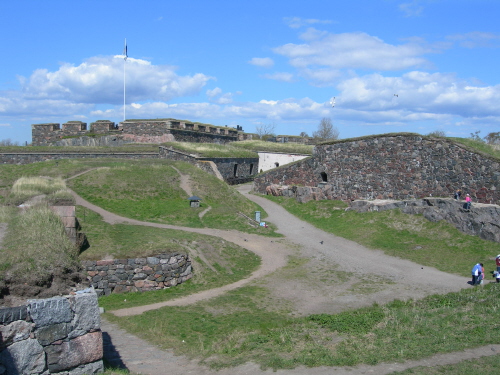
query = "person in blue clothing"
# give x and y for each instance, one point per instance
(477, 274)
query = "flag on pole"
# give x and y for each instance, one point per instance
(125, 51)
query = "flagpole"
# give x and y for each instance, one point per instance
(124, 76)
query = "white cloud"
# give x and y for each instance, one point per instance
(100, 80)
(265, 62)
(352, 51)
(419, 93)
(214, 92)
(14, 104)
(216, 96)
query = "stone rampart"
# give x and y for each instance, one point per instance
(389, 166)
(59, 335)
(114, 140)
(138, 274)
(150, 131)
(203, 137)
(34, 157)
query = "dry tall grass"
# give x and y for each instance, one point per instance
(53, 189)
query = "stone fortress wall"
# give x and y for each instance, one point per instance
(145, 131)
(388, 166)
(75, 133)
(59, 335)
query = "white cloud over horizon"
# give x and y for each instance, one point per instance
(100, 80)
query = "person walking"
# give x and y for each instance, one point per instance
(497, 261)
(458, 194)
(477, 271)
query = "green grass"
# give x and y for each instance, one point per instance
(212, 150)
(150, 191)
(258, 145)
(227, 262)
(412, 237)
(237, 328)
(64, 168)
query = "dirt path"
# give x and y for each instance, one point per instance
(398, 278)
(273, 256)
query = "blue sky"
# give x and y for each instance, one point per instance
(254, 63)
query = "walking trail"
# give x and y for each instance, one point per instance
(400, 279)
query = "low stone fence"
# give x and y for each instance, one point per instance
(138, 274)
(59, 335)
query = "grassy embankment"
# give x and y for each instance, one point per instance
(149, 191)
(241, 326)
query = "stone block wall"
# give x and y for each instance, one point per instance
(181, 135)
(103, 126)
(75, 127)
(139, 274)
(59, 335)
(231, 169)
(236, 170)
(45, 134)
(391, 166)
(151, 128)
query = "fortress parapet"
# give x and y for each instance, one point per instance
(103, 127)
(154, 131)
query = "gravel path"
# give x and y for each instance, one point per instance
(402, 279)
